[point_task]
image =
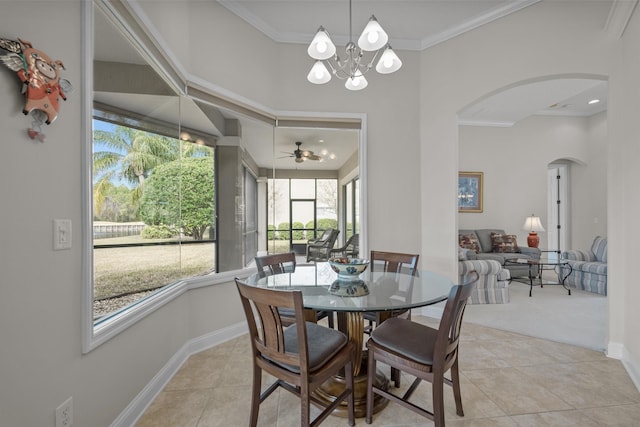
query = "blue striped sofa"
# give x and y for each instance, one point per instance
(589, 267)
(492, 286)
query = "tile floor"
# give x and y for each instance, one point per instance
(507, 380)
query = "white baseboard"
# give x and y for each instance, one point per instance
(632, 365)
(615, 350)
(132, 413)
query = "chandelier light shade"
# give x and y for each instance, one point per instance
(532, 224)
(319, 73)
(321, 46)
(357, 82)
(353, 66)
(389, 62)
(373, 36)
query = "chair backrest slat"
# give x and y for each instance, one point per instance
(267, 335)
(394, 262)
(269, 265)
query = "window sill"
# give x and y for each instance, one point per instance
(104, 329)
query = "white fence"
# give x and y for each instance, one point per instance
(104, 231)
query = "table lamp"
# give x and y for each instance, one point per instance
(532, 224)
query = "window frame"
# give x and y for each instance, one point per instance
(93, 336)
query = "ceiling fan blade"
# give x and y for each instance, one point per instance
(314, 157)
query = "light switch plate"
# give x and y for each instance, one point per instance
(61, 234)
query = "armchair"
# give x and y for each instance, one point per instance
(588, 267)
(492, 286)
(351, 248)
(320, 249)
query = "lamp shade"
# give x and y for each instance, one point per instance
(389, 62)
(373, 37)
(321, 46)
(357, 82)
(319, 73)
(532, 223)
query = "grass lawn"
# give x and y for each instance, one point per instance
(125, 270)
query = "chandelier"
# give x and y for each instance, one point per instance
(354, 66)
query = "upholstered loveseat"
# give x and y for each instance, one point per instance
(589, 267)
(495, 244)
(492, 286)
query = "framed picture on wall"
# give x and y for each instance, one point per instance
(470, 191)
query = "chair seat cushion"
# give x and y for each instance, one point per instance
(407, 338)
(323, 343)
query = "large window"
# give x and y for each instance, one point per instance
(299, 210)
(153, 210)
(153, 227)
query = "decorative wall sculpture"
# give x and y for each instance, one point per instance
(41, 82)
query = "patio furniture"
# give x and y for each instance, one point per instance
(350, 249)
(320, 249)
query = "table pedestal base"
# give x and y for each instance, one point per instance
(328, 391)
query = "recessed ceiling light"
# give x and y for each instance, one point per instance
(593, 101)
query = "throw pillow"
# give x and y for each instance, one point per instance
(469, 241)
(462, 255)
(504, 243)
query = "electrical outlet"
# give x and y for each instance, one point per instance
(64, 414)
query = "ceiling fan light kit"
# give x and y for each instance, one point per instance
(353, 68)
(301, 155)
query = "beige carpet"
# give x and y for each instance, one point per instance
(578, 319)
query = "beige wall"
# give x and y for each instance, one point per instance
(514, 161)
(624, 200)
(412, 151)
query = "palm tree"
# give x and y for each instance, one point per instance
(129, 155)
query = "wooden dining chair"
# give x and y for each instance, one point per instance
(301, 356)
(269, 265)
(393, 262)
(423, 352)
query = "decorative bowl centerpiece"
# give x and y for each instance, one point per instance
(349, 288)
(348, 268)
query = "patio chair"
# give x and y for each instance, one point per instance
(350, 249)
(320, 249)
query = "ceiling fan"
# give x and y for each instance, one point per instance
(302, 155)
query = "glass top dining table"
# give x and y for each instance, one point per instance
(323, 289)
(372, 291)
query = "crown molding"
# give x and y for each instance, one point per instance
(402, 44)
(619, 16)
(485, 18)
